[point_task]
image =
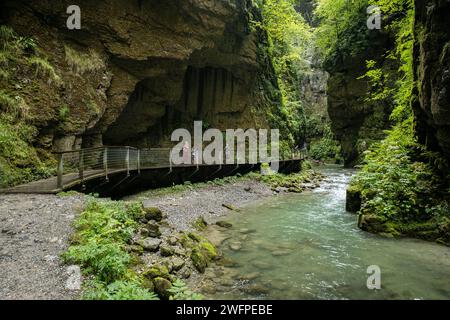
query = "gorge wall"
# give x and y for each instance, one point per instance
(138, 69)
(432, 71)
(356, 122)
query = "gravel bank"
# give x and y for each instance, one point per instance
(185, 207)
(34, 230)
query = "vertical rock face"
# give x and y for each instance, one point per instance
(432, 64)
(356, 122)
(151, 66)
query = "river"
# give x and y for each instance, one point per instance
(306, 246)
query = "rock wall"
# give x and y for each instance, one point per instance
(138, 69)
(356, 122)
(432, 65)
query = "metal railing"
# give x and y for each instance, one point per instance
(83, 163)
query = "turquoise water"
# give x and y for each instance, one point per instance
(306, 246)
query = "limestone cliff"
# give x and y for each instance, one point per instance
(432, 65)
(356, 122)
(138, 69)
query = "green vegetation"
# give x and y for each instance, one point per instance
(325, 148)
(401, 183)
(103, 232)
(64, 112)
(20, 161)
(43, 68)
(289, 38)
(180, 291)
(292, 182)
(83, 62)
(342, 33)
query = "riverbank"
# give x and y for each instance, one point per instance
(38, 229)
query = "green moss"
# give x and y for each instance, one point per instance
(82, 62)
(208, 249)
(195, 236)
(70, 193)
(200, 224)
(153, 213)
(157, 271)
(44, 68)
(199, 259)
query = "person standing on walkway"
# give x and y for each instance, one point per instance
(186, 153)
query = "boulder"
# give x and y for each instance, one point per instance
(155, 271)
(153, 229)
(199, 260)
(177, 263)
(166, 250)
(153, 213)
(353, 199)
(150, 244)
(224, 224)
(162, 287)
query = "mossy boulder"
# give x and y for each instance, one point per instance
(157, 271)
(200, 223)
(177, 263)
(195, 237)
(208, 249)
(153, 213)
(202, 252)
(150, 244)
(166, 250)
(153, 229)
(162, 287)
(353, 199)
(199, 259)
(138, 249)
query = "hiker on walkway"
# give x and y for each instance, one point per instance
(195, 155)
(186, 153)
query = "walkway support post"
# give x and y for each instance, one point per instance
(81, 165)
(105, 162)
(127, 161)
(139, 161)
(60, 171)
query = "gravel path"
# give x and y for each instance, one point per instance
(184, 208)
(34, 230)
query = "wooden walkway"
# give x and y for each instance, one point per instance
(77, 167)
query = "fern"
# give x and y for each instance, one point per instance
(180, 291)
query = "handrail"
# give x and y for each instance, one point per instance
(107, 159)
(94, 149)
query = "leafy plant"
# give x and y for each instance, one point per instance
(179, 291)
(118, 290)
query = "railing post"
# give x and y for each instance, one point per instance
(60, 170)
(139, 161)
(81, 165)
(127, 161)
(170, 160)
(105, 162)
